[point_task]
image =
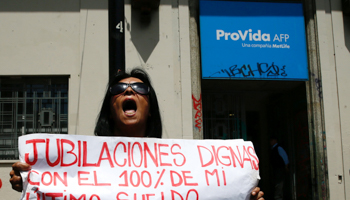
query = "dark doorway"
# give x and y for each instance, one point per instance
(255, 111)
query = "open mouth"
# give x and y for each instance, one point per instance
(129, 107)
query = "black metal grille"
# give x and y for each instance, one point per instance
(22, 102)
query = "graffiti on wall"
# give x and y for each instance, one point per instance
(318, 84)
(261, 69)
(197, 105)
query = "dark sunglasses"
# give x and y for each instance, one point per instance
(119, 88)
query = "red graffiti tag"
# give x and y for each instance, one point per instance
(197, 105)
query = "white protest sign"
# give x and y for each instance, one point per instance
(71, 167)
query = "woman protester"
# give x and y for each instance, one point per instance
(130, 108)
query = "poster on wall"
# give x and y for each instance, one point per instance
(253, 40)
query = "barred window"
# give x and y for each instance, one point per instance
(31, 105)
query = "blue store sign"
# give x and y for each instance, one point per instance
(253, 40)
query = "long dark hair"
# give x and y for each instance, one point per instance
(105, 124)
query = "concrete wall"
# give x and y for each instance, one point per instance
(57, 38)
(334, 45)
(162, 48)
(49, 37)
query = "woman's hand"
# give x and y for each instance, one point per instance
(257, 194)
(16, 179)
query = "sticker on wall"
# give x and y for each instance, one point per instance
(253, 40)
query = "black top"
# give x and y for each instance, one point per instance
(276, 159)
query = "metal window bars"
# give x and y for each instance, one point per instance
(30, 108)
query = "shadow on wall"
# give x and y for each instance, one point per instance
(144, 29)
(346, 22)
(51, 5)
(58, 6)
(144, 32)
